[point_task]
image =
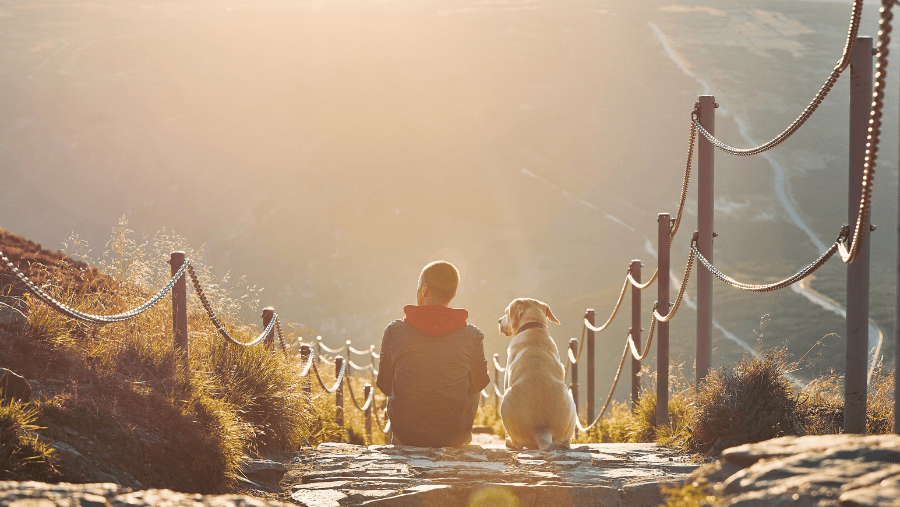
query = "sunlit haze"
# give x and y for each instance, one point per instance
(328, 150)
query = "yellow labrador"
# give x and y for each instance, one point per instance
(537, 408)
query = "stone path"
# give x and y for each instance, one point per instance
(387, 476)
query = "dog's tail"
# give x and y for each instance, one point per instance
(544, 440)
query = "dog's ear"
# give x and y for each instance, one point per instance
(516, 309)
(548, 313)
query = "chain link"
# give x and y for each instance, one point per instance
(367, 403)
(215, 319)
(280, 334)
(803, 273)
(86, 317)
(337, 383)
(810, 108)
(497, 366)
(382, 427)
(873, 138)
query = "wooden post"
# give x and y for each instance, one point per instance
(590, 367)
(267, 315)
(705, 225)
(664, 229)
(318, 348)
(306, 381)
(855, 388)
(179, 309)
(339, 393)
(573, 346)
(367, 389)
(635, 332)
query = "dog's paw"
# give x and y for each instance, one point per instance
(511, 445)
(559, 446)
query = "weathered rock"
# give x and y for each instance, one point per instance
(818, 470)
(72, 465)
(14, 386)
(263, 470)
(38, 494)
(17, 302)
(12, 320)
(394, 476)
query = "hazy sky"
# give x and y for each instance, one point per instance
(329, 149)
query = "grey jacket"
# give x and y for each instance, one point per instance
(432, 383)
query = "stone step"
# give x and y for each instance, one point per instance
(396, 476)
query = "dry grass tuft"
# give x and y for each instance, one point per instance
(755, 401)
(22, 454)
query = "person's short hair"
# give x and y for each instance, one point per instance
(442, 279)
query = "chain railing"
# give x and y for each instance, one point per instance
(848, 244)
(87, 317)
(272, 326)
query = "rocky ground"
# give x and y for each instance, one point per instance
(825, 471)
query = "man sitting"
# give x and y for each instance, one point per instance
(432, 366)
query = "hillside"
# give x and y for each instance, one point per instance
(114, 404)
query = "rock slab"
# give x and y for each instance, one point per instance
(39, 494)
(398, 476)
(821, 470)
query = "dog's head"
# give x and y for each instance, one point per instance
(524, 310)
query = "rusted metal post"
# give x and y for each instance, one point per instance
(855, 388)
(267, 314)
(339, 392)
(367, 389)
(705, 225)
(496, 383)
(179, 309)
(306, 381)
(635, 332)
(573, 348)
(664, 228)
(590, 367)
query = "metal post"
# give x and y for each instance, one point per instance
(590, 367)
(267, 315)
(705, 210)
(339, 393)
(179, 308)
(635, 332)
(664, 229)
(573, 347)
(307, 381)
(496, 383)
(348, 356)
(858, 271)
(367, 389)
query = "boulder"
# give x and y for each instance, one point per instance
(818, 470)
(14, 386)
(19, 303)
(12, 320)
(263, 470)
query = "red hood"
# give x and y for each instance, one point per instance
(435, 320)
